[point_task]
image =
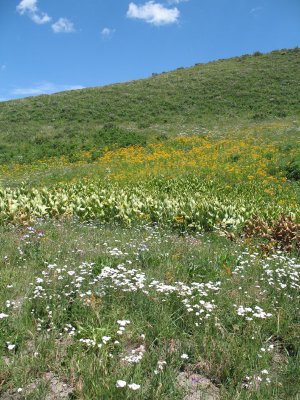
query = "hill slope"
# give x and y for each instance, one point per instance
(244, 88)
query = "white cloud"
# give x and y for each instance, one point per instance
(153, 13)
(44, 88)
(176, 1)
(40, 19)
(27, 6)
(30, 8)
(3, 67)
(63, 25)
(107, 33)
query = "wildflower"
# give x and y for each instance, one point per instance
(2, 315)
(123, 322)
(184, 356)
(134, 386)
(135, 356)
(105, 339)
(121, 384)
(160, 366)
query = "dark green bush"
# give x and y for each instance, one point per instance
(288, 166)
(292, 170)
(235, 157)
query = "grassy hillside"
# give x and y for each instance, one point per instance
(224, 92)
(167, 269)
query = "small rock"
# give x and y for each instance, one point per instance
(58, 388)
(197, 387)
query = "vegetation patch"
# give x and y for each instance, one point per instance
(150, 237)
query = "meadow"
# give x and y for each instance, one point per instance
(163, 271)
(150, 236)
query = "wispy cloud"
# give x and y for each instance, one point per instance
(43, 88)
(255, 10)
(176, 1)
(63, 25)
(107, 33)
(30, 8)
(3, 67)
(153, 13)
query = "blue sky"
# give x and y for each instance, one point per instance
(52, 45)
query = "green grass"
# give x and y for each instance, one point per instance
(224, 347)
(142, 235)
(205, 96)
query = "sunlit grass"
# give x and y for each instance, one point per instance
(118, 279)
(67, 289)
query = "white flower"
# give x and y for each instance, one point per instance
(2, 315)
(121, 384)
(184, 356)
(71, 273)
(10, 346)
(160, 366)
(134, 386)
(105, 339)
(123, 322)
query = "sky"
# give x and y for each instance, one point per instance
(48, 46)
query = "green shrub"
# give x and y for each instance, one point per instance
(292, 170)
(288, 166)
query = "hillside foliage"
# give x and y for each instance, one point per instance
(225, 92)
